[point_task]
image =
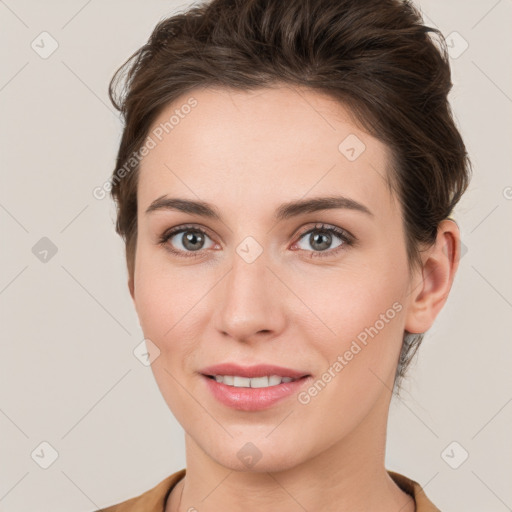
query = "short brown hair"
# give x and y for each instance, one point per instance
(374, 56)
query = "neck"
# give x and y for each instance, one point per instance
(347, 476)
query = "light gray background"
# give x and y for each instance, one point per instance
(68, 375)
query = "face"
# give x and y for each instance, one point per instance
(322, 291)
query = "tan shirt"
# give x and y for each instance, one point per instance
(154, 499)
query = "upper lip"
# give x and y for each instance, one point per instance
(259, 370)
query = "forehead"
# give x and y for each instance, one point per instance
(239, 147)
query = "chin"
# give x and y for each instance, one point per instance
(270, 463)
(256, 454)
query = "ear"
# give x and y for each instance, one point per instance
(432, 283)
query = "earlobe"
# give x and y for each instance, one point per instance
(430, 293)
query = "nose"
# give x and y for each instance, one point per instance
(250, 304)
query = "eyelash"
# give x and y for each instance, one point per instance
(344, 236)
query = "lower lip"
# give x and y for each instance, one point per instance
(253, 399)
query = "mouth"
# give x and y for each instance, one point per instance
(254, 393)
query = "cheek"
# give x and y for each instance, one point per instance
(156, 304)
(163, 294)
(166, 305)
(366, 313)
(358, 315)
(173, 314)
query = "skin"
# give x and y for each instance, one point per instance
(247, 153)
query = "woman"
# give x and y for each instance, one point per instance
(284, 185)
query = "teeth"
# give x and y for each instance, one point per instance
(241, 382)
(255, 382)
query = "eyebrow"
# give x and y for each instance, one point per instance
(283, 212)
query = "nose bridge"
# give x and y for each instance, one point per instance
(249, 300)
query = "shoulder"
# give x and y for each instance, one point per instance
(423, 504)
(152, 500)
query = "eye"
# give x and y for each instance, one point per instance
(189, 241)
(321, 239)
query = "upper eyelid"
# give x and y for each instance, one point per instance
(326, 226)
